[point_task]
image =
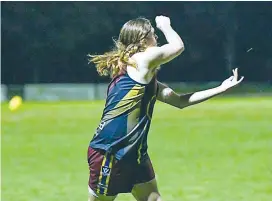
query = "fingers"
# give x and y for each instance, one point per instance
(230, 78)
(162, 21)
(161, 17)
(241, 79)
(235, 74)
(157, 19)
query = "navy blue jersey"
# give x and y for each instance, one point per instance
(126, 118)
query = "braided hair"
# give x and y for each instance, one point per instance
(132, 39)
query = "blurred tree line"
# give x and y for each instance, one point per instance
(47, 42)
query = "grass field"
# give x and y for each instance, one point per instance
(220, 150)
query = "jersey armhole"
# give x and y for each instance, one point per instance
(137, 81)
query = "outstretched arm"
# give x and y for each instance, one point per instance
(170, 97)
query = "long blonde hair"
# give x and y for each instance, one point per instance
(132, 39)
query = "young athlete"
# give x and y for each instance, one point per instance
(117, 154)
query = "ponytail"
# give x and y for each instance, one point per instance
(116, 61)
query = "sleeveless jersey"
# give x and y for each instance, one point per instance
(126, 118)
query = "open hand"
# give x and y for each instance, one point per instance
(232, 81)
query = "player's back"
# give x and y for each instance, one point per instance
(126, 117)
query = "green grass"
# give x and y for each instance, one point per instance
(220, 150)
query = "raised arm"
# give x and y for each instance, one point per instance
(170, 97)
(156, 56)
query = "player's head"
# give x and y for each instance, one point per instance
(135, 36)
(139, 33)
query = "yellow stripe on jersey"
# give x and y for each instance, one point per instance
(139, 153)
(108, 177)
(139, 150)
(101, 172)
(130, 100)
(133, 118)
(148, 106)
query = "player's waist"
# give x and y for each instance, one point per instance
(133, 155)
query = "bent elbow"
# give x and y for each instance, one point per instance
(182, 48)
(179, 48)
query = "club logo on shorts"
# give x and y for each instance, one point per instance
(106, 171)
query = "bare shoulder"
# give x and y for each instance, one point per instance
(141, 61)
(143, 73)
(144, 58)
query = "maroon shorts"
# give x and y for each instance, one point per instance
(109, 177)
